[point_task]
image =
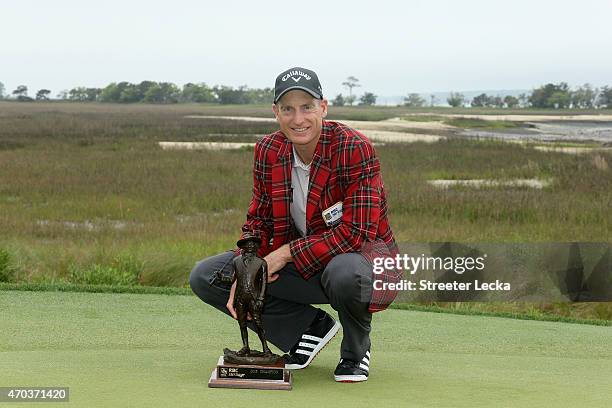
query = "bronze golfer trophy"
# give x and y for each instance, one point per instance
(248, 368)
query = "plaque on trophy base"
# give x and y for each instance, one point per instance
(261, 377)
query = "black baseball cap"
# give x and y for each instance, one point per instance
(297, 78)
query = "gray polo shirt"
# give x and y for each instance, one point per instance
(300, 176)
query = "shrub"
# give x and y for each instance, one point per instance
(101, 275)
(7, 271)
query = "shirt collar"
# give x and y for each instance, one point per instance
(297, 162)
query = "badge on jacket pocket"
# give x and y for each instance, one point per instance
(333, 214)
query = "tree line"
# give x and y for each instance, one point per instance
(152, 92)
(548, 96)
(167, 92)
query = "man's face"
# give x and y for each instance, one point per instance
(300, 117)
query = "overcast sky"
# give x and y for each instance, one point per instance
(393, 47)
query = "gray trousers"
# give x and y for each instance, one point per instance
(346, 284)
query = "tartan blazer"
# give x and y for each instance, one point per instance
(344, 168)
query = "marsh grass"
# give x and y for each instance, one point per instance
(423, 118)
(100, 275)
(6, 268)
(86, 193)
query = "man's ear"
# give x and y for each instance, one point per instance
(275, 110)
(324, 107)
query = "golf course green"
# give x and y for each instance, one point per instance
(145, 350)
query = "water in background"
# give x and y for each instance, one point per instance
(563, 131)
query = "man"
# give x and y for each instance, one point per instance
(320, 209)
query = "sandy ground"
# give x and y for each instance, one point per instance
(244, 118)
(526, 118)
(203, 145)
(85, 225)
(533, 183)
(397, 130)
(388, 124)
(391, 130)
(395, 124)
(572, 150)
(400, 137)
(434, 125)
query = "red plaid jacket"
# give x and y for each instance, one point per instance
(344, 168)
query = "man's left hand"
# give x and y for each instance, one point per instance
(276, 261)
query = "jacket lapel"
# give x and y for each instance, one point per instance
(319, 173)
(281, 195)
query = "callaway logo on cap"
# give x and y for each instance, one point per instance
(297, 78)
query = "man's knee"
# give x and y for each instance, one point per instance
(199, 277)
(345, 275)
(204, 273)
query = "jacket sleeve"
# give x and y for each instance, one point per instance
(360, 214)
(259, 215)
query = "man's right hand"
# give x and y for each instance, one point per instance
(276, 260)
(230, 302)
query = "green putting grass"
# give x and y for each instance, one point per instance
(137, 350)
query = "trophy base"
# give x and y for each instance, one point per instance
(253, 358)
(260, 377)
